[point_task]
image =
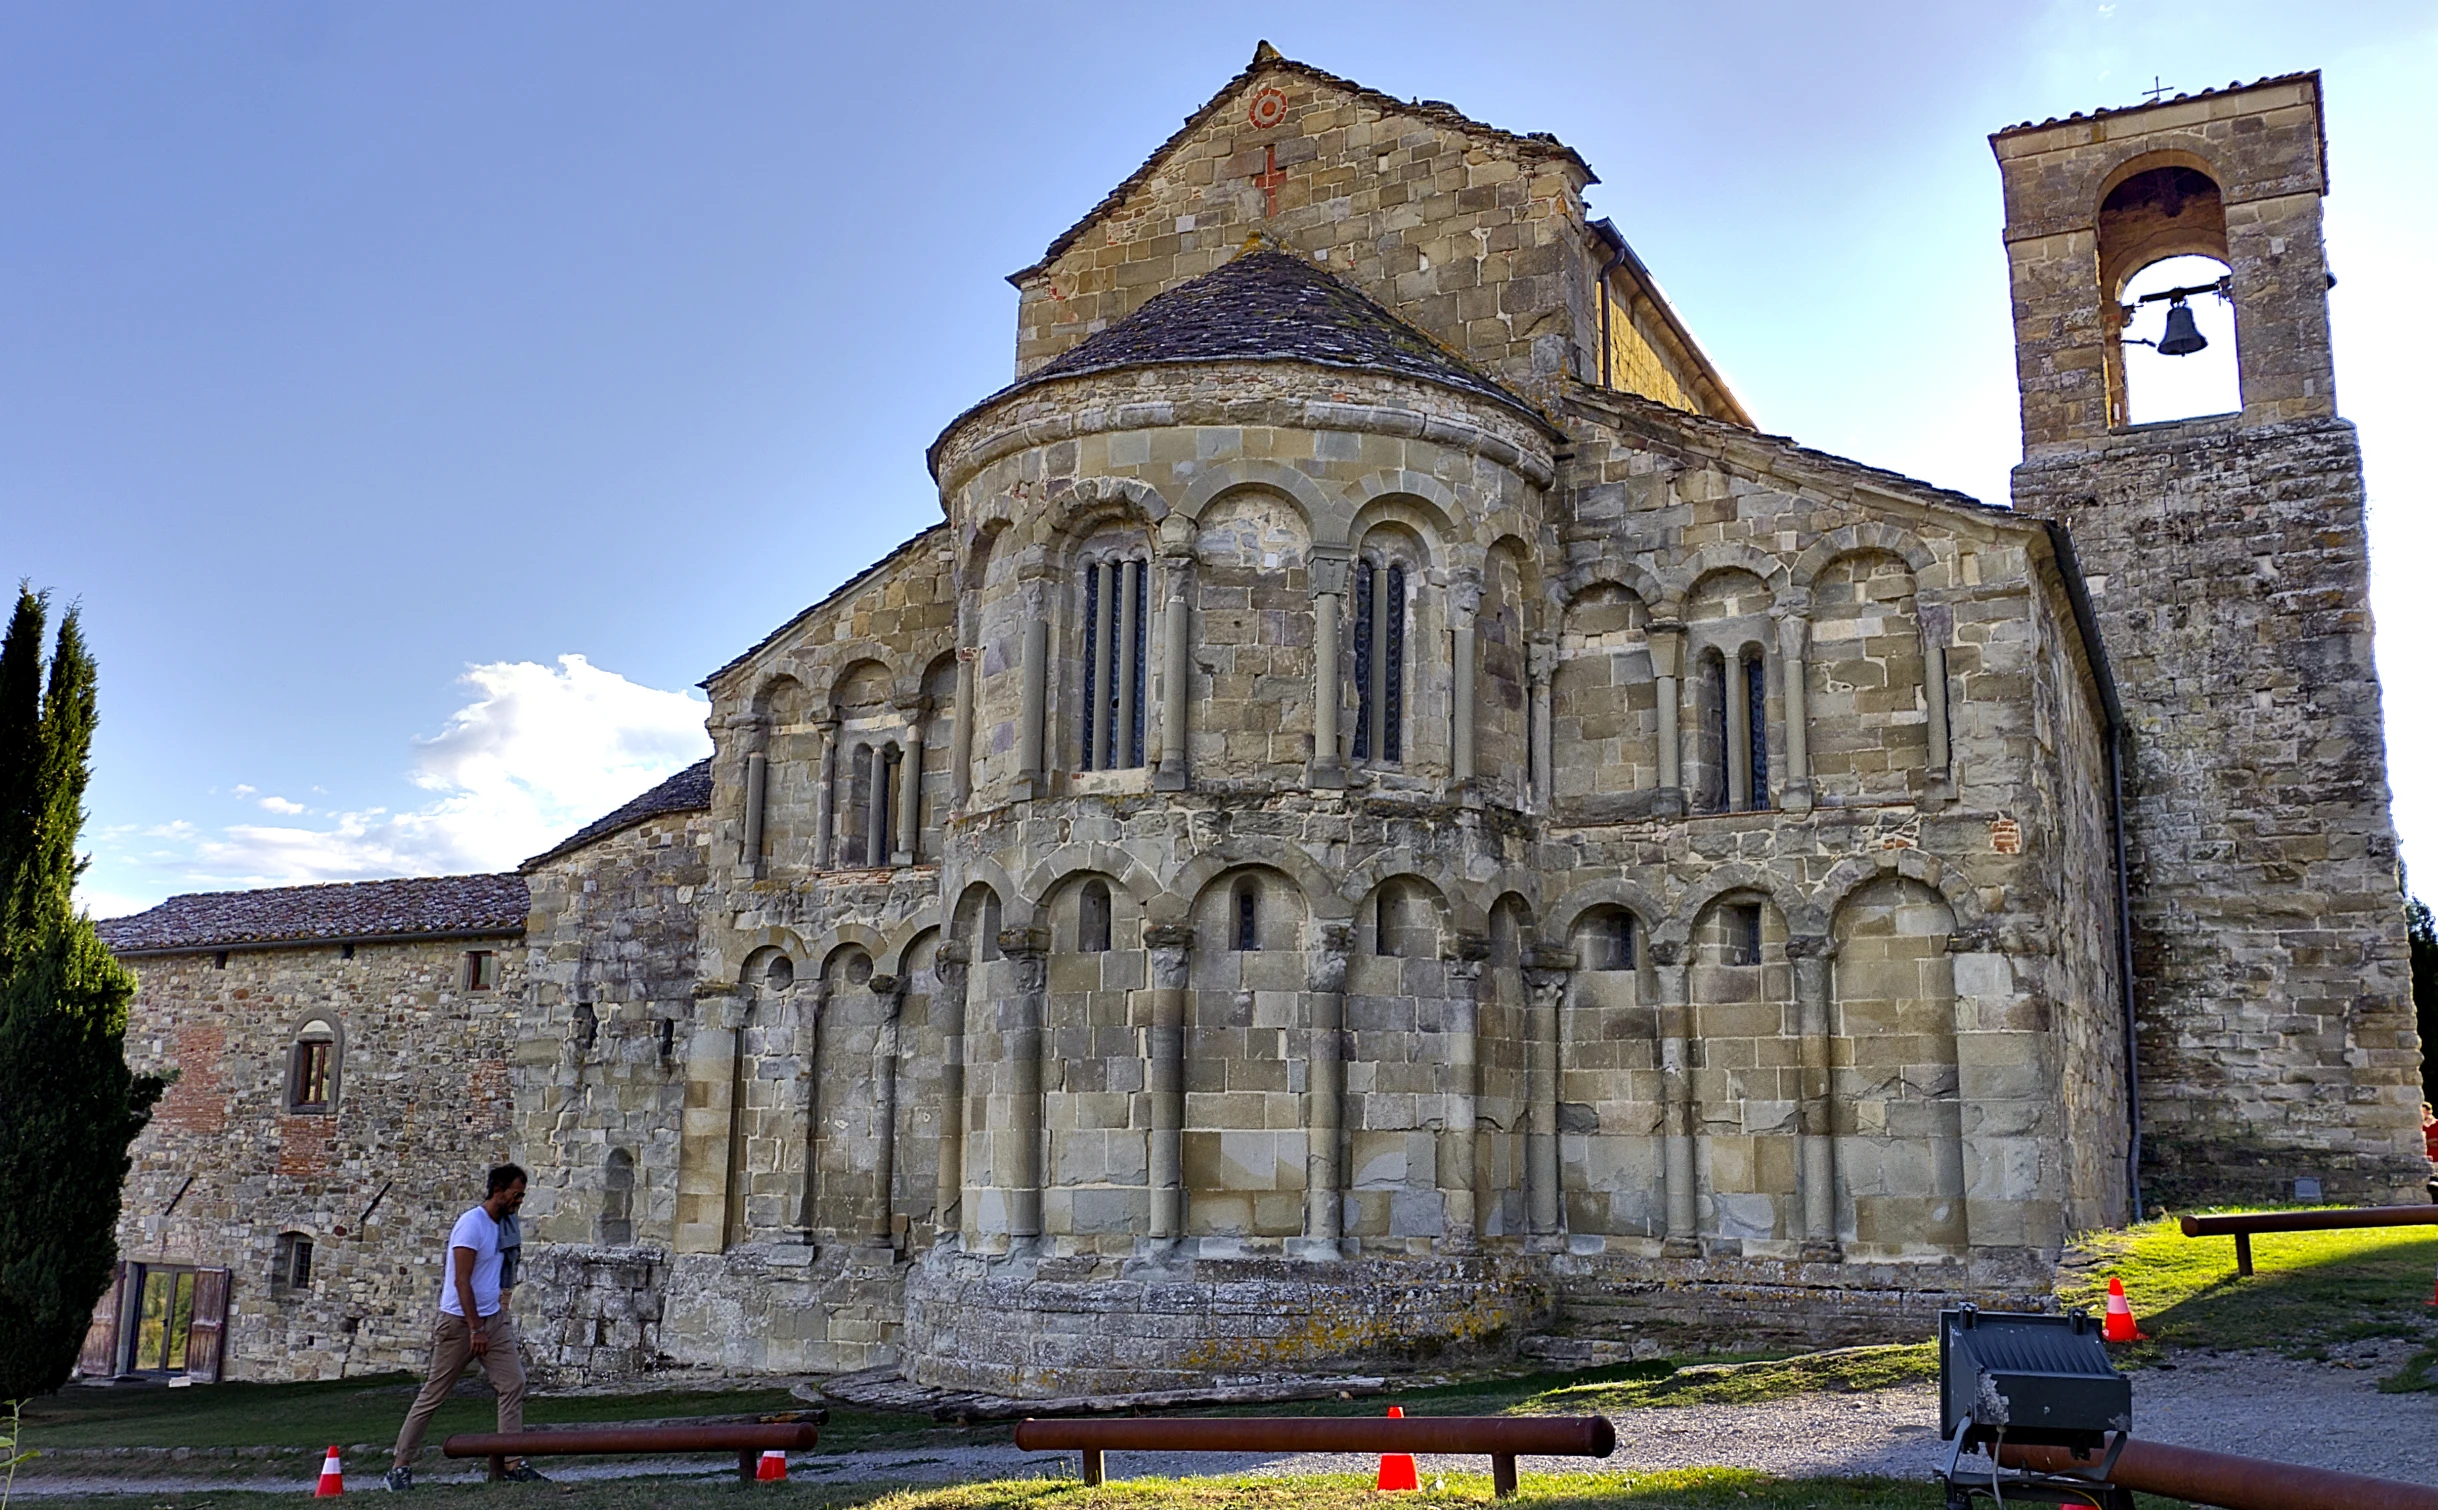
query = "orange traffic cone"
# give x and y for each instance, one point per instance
(1397, 1468)
(331, 1483)
(2119, 1325)
(774, 1467)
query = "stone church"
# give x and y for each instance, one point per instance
(1389, 819)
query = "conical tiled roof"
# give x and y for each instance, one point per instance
(1265, 306)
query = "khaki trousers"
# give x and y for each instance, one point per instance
(452, 1349)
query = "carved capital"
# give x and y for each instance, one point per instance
(1177, 538)
(1024, 943)
(1541, 658)
(1667, 951)
(1807, 946)
(1329, 957)
(1464, 594)
(1168, 936)
(1328, 566)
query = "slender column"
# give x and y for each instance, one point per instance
(703, 1127)
(790, 1010)
(1937, 629)
(1464, 607)
(961, 738)
(950, 967)
(1464, 1187)
(1020, 1016)
(1176, 645)
(813, 1007)
(1738, 700)
(1667, 642)
(1547, 985)
(1029, 719)
(1794, 649)
(876, 809)
(910, 795)
(880, 1217)
(1164, 1075)
(825, 797)
(757, 786)
(1325, 1121)
(1328, 694)
(1816, 1152)
(1542, 662)
(1676, 1076)
(1129, 633)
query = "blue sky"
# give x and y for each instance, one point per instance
(420, 399)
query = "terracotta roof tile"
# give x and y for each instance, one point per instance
(688, 791)
(402, 908)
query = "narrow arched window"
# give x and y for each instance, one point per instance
(1092, 918)
(780, 973)
(1608, 940)
(1116, 630)
(1248, 916)
(313, 1068)
(1387, 926)
(617, 1227)
(1379, 661)
(1756, 724)
(1743, 928)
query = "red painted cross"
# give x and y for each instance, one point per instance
(1269, 178)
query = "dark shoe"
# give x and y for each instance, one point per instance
(521, 1472)
(398, 1480)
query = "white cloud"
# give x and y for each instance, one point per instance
(536, 753)
(242, 790)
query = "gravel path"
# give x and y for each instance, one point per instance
(2325, 1415)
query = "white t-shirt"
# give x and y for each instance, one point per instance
(475, 1230)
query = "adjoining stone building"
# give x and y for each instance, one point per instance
(1389, 817)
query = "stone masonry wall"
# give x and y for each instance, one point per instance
(2230, 578)
(224, 1168)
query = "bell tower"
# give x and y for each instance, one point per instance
(2228, 570)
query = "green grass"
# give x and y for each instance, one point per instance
(1839, 1371)
(2309, 1291)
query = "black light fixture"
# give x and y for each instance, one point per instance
(2183, 336)
(2037, 1381)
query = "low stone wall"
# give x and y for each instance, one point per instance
(1077, 1326)
(783, 1308)
(591, 1314)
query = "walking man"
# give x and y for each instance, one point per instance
(474, 1324)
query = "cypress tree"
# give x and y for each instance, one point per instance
(69, 1106)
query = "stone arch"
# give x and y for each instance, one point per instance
(1321, 897)
(1360, 881)
(1558, 923)
(744, 944)
(770, 967)
(1729, 555)
(1632, 576)
(1439, 501)
(832, 944)
(322, 1024)
(1105, 860)
(975, 870)
(980, 540)
(1411, 514)
(1083, 507)
(1324, 516)
(1407, 883)
(1802, 918)
(905, 937)
(772, 686)
(1855, 872)
(1854, 539)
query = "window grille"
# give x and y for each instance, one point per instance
(1379, 662)
(1117, 630)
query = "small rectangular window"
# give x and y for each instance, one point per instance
(482, 970)
(1613, 941)
(292, 1263)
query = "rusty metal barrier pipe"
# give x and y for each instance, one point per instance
(1502, 1438)
(2240, 1225)
(2231, 1482)
(747, 1440)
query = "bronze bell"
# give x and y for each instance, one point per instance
(2183, 336)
